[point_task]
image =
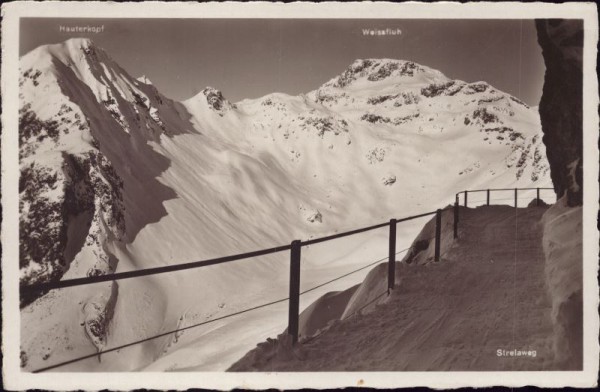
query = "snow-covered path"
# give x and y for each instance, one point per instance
(486, 294)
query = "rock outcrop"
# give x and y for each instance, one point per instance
(561, 108)
(561, 112)
(84, 127)
(216, 101)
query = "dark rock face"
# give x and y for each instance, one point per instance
(376, 70)
(216, 101)
(89, 189)
(561, 106)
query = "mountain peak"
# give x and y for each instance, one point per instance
(73, 51)
(80, 42)
(211, 90)
(144, 79)
(213, 98)
(375, 70)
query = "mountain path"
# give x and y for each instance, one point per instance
(487, 293)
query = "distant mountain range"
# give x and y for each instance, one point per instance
(116, 176)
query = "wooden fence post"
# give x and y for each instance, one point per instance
(488, 197)
(438, 230)
(537, 199)
(466, 192)
(294, 306)
(515, 197)
(456, 218)
(392, 256)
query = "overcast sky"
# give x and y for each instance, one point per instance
(248, 58)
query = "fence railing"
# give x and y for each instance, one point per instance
(488, 193)
(295, 248)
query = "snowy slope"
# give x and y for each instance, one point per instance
(119, 177)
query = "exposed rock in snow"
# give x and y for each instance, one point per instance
(216, 100)
(325, 124)
(375, 155)
(213, 99)
(470, 168)
(311, 215)
(389, 180)
(374, 118)
(448, 88)
(144, 79)
(98, 313)
(54, 196)
(316, 217)
(374, 70)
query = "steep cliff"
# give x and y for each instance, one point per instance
(561, 108)
(561, 112)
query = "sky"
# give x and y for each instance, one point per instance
(249, 58)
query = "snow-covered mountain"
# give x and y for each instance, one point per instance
(115, 176)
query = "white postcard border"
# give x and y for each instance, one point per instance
(15, 379)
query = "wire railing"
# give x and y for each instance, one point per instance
(491, 190)
(163, 334)
(160, 335)
(295, 259)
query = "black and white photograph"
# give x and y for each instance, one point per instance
(218, 195)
